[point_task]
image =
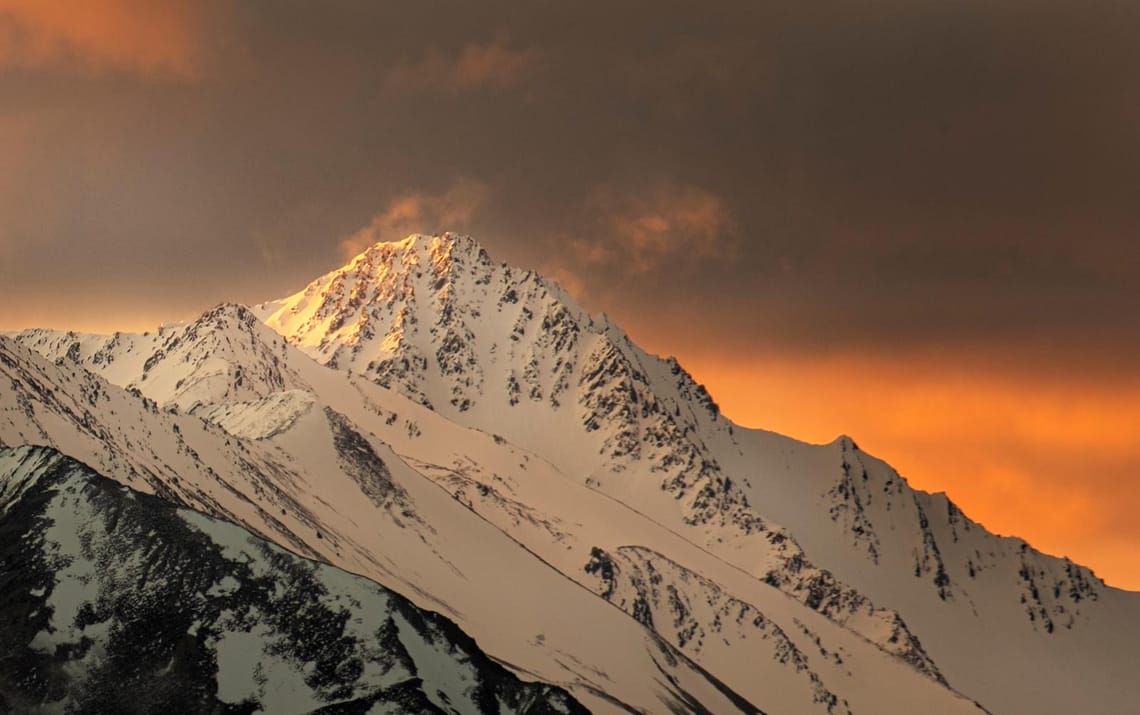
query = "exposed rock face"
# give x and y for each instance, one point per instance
(695, 613)
(115, 601)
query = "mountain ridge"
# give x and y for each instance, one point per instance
(268, 492)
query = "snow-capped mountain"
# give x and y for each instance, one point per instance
(336, 526)
(123, 602)
(508, 352)
(464, 433)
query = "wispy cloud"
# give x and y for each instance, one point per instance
(154, 38)
(632, 235)
(419, 213)
(492, 66)
(639, 230)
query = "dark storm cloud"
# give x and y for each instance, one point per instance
(866, 173)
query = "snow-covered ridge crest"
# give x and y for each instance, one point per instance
(225, 354)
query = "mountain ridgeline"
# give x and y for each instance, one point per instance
(463, 433)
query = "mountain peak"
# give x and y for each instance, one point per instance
(225, 313)
(417, 249)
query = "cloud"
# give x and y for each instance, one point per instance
(491, 66)
(630, 238)
(566, 278)
(154, 38)
(669, 221)
(419, 213)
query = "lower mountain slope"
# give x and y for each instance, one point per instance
(318, 486)
(117, 601)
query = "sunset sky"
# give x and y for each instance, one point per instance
(914, 222)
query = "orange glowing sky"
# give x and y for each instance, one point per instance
(1053, 462)
(913, 223)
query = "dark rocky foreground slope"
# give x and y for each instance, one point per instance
(112, 601)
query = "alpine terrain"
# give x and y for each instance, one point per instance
(428, 482)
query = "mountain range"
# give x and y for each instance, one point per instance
(429, 482)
